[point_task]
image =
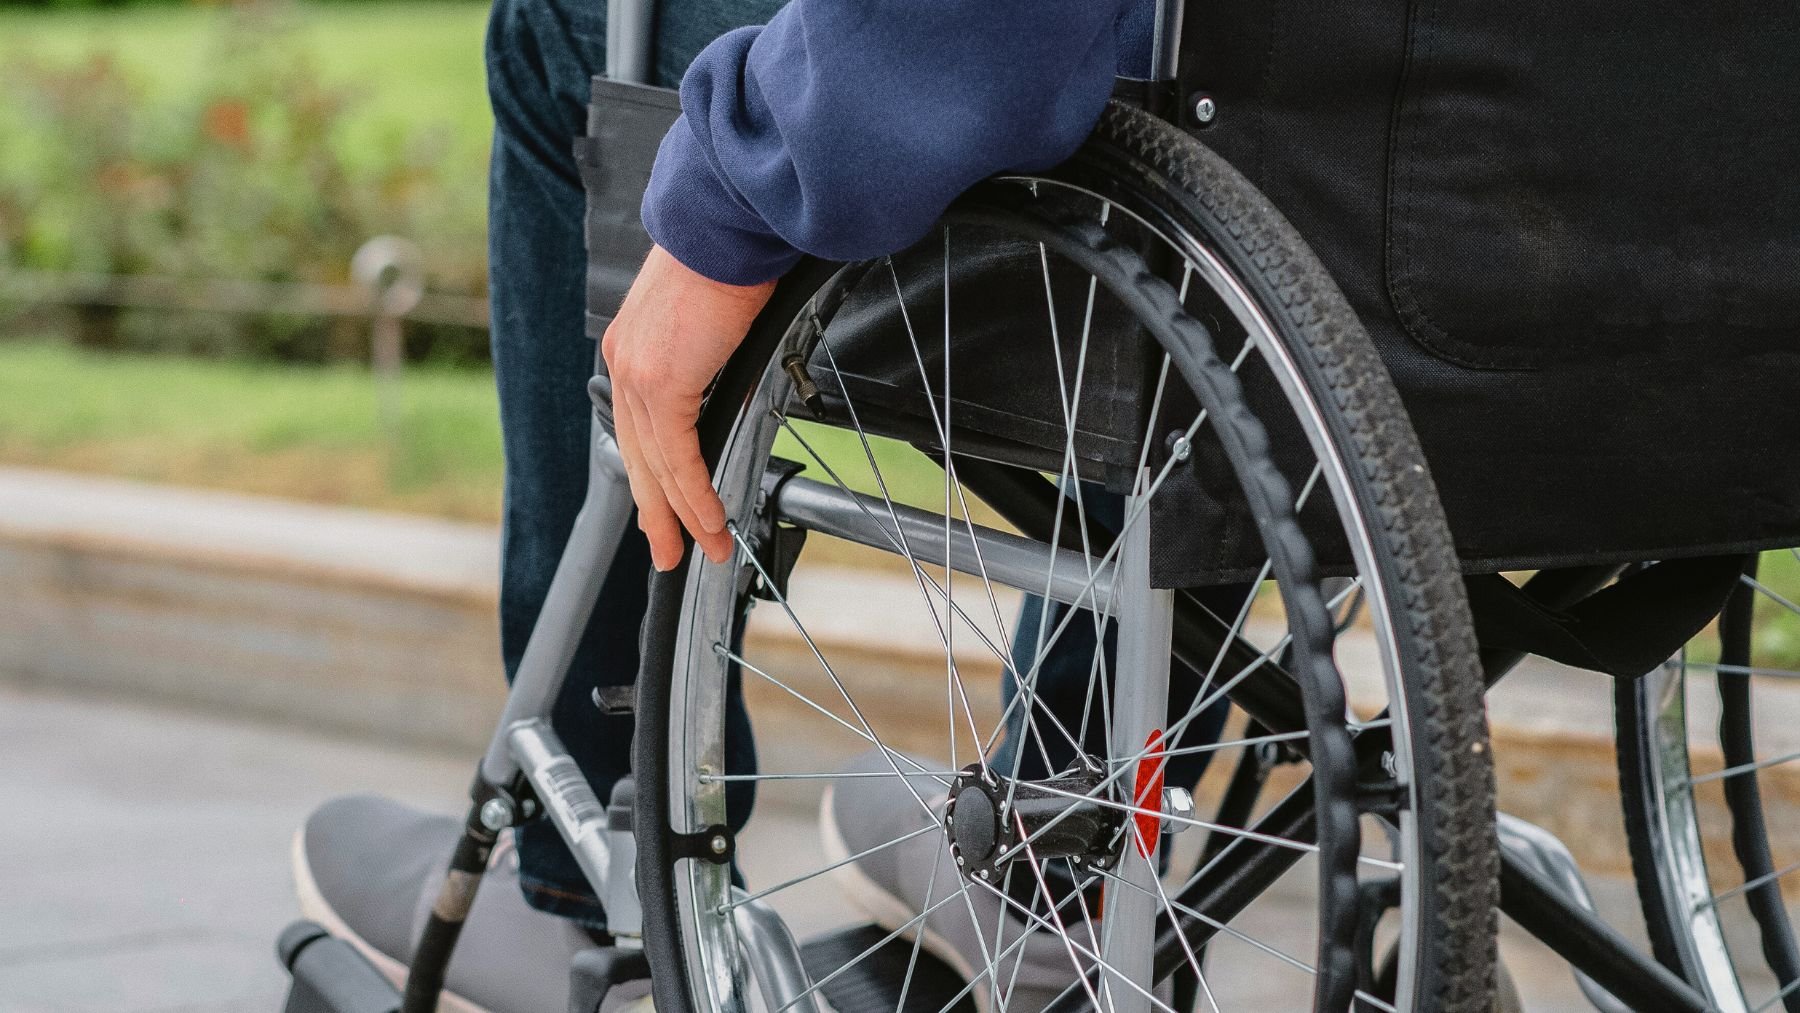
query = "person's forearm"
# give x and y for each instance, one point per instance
(845, 127)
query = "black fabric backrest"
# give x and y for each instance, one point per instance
(1572, 228)
(1534, 182)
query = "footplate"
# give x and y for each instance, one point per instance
(330, 976)
(874, 983)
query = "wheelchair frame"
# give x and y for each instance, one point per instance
(527, 773)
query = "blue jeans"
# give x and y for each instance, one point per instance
(540, 57)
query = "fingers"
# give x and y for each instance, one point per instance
(683, 473)
(670, 496)
(656, 519)
(673, 333)
(650, 451)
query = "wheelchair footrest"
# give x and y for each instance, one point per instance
(330, 976)
(874, 984)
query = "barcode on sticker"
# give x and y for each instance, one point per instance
(569, 794)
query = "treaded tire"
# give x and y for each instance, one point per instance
(1453, 772)
(1453, 790)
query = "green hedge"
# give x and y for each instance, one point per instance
(245, 174)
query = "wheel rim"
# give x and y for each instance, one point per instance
(1708, 855)
(698, 702)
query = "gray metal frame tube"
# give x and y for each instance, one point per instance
(1146, 618)
(1009, 559)
(1165, 40)
(593, 542)
(630, 30)
(774, 957)
(569, 802)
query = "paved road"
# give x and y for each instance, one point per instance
(144, 866)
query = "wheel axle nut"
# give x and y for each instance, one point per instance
(1179, 804)
(496, 814)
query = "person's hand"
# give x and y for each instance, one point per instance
(671, 337)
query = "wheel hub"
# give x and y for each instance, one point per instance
(993, 820)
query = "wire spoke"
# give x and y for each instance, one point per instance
(1016, 946)
(1050, 902)
(842, 775)
(781, 599)
(1786, 990)
(912, 960)
(981, 635)
(1773, 595)
(1771, 673)
(905, 927)
(1038, 919)
(1762, 880)
(1237, 934)
(803, 698)
(1229, 831)
(918, 572)
(1162, 895)
(942, 425)
(797, 880)
(1743, 768)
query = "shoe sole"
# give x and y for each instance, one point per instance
(883, 907)
(314, 907)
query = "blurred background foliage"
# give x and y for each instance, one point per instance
(263, 141)
(259, 141)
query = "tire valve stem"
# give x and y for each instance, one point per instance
(795, 365)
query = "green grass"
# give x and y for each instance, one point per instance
(311, 432)
(407, 62)
(908, 475)
(1777, 640)
(305, 432)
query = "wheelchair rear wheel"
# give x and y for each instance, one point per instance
(1036, 763)
(1709, 766)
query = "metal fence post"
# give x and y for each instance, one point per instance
(389, 268)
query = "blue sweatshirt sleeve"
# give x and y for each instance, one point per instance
(843, 128)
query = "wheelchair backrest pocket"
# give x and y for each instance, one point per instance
(1579, 179)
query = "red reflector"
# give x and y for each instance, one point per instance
(1149, 795)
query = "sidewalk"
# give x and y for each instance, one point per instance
(152, 876)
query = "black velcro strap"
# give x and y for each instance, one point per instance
(1625, 629)
(626, 124)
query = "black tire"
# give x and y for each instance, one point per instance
(1739, 949)
(1139, 161)
(1454, 790)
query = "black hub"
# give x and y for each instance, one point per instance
(989, 816)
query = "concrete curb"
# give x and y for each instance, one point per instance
(363, 623)
(382, 626)
(370, 624)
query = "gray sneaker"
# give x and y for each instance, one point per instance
(367, 869)
(893, 885)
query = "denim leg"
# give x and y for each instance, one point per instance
(540, 56)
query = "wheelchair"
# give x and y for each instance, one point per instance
(1529, 387)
